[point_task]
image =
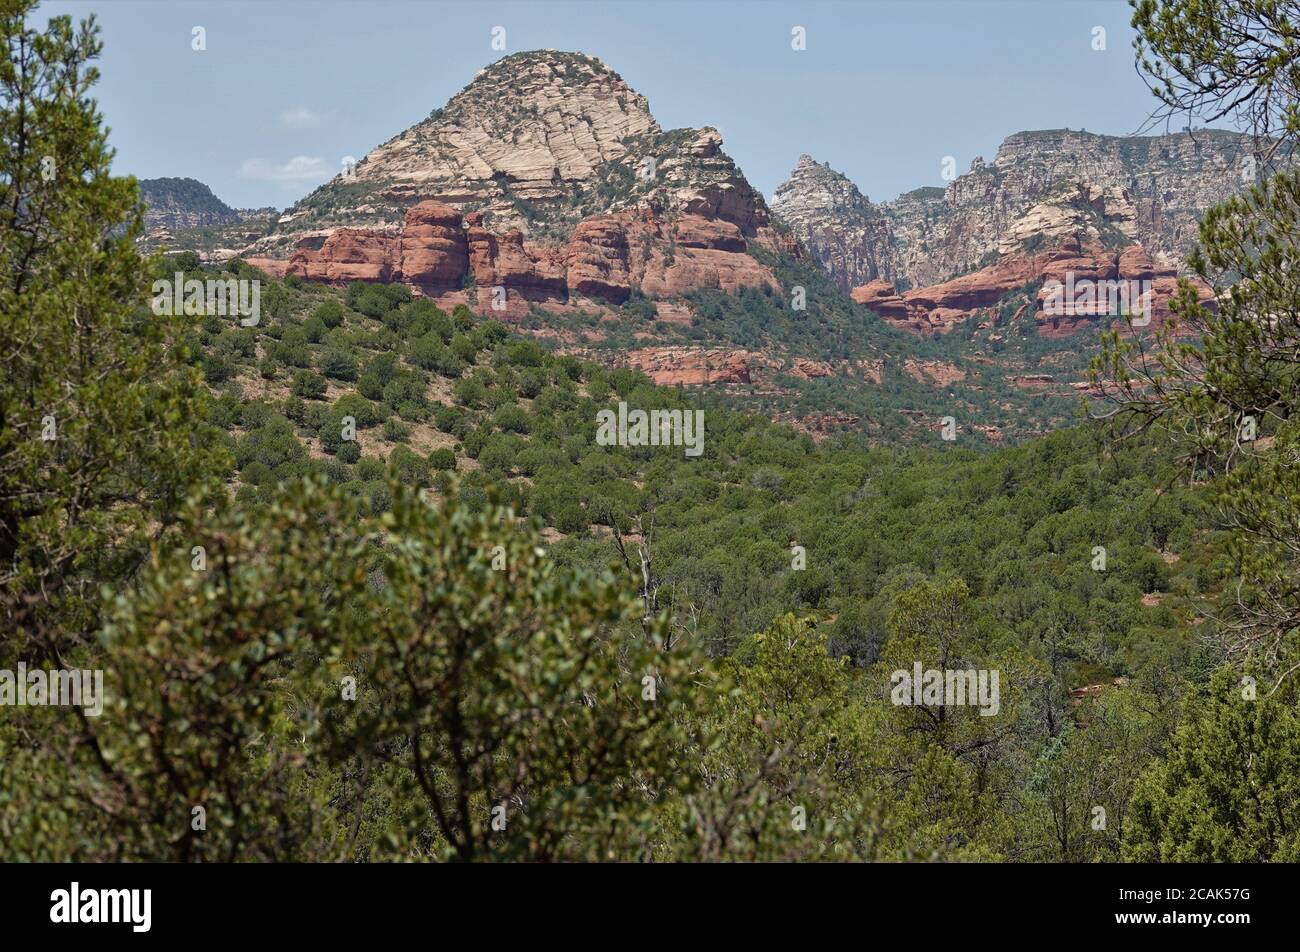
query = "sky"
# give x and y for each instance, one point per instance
(883, 91)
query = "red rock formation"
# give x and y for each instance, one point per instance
(503, 261)
(1130, 278)
(690, 366)
(346, 255)
(433, 250)
(1135, 264)
(882, 298)
(605, 259)
(597, 260)
(873, 292)
(811, 369)
(970, 292)
(274, 267)
(674, 312)
(697, 253)
(1069, 258)
(933, 372)
(692, 231)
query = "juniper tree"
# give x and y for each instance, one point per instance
(99, 438)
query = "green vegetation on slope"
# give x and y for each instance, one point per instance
(565, 650)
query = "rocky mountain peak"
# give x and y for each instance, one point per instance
(841, 227)
(535, 118)
(810, 179)
(1150, 190)
(526, 78)
(537, 142)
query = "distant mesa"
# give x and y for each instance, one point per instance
(182, 214)
(178, 203)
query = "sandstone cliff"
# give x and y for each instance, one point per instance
(546, 178)
(442, 254)
(537, 142)
(1145, 190)
(1111, 284)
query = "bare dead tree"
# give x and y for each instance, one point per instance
(643, 565)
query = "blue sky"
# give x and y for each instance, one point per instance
(884, 90)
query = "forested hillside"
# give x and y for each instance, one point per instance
(790, 577)
(357, 577)
(435, 394)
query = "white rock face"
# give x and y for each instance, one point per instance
(1152, 190)
(845, 232)
(536, 142)
(534, 124)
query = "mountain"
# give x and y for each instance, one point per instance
(178, 203)
(547, 177)
(1149, 191)
(538, 141)
(846, 232)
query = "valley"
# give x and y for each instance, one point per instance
(545, 195)
(537, 488)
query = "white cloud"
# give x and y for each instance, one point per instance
(302, 118)
(299, 170)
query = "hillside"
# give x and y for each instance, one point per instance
(436, 395)
(531, 494)
(784, 583)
